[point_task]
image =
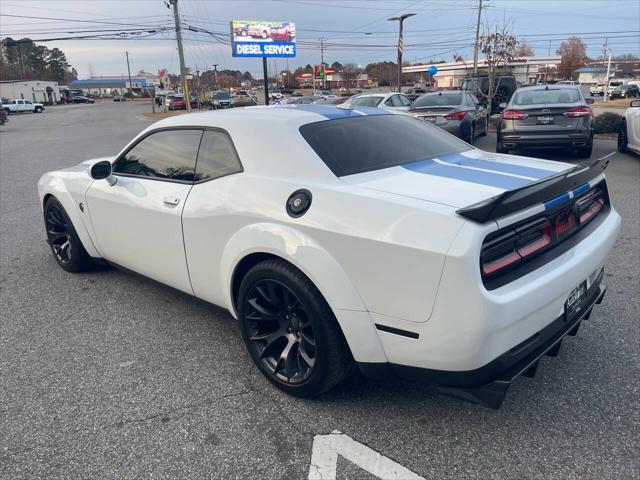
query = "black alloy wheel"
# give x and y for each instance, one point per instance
(58, 233)
(290, 331)
(280, 332)
(622, 137)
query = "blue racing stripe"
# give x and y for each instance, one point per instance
(581, 189)
(429, 167)
(464, 161)
(554, 202)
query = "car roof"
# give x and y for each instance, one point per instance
(556, 86)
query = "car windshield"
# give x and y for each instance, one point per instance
(355, 145)
(556, 95)
(222, 96)
(439, 100)
(366, 101)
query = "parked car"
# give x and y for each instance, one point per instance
(352, 245)
(221, 99)
(386, 101)
(176, 102)
(547, 116)
(629, 134)
(286, 91)
(567, 82)
(20, 105)
(119, 98)
(457, 112)
(413, 93)
(308, 100)
(479, 86)
(81, 99)
(296, 93)
(326, 94)
(624, 91)
(275, 95)
(597, 89)
(244, 98)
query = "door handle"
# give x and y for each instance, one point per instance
(171, 200)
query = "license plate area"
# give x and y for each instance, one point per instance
(574, 304)
(545, 120)
(430, 119)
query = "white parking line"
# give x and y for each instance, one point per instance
(324, 459)
(607, 155)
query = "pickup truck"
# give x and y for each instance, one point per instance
(19, 105)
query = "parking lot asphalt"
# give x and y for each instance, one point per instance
(108, 375)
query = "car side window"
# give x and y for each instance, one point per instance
(405, 102)
(389, 101)
(217, 157)
(27, 102)
(167, 155)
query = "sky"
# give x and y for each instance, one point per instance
(355, 31)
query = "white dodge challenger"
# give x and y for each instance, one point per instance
(349, 238)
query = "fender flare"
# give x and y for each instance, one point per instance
(320, 267)
(56, 187)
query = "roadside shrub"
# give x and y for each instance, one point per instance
(607, 122)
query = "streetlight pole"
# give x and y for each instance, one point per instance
(400, 19)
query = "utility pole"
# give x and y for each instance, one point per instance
(183, 70)
(401, 20)
(129, 70)
(477, 44)
(322, 63)
(606, 80)
(215, 76)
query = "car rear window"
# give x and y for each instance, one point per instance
(439, 100)
(556, 95)
(373, 142)
(366, 101)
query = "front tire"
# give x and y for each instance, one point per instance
(38, 110)
(622, 137)
(63, 240)
(290, 331)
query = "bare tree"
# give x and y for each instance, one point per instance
(524, 50)
(498, 48)
(573, 53)
(349, 73)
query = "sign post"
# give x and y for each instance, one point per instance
(263, 39)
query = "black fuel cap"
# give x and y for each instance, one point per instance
(298, 203)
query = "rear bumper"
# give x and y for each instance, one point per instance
(576, 138)
(488, 385)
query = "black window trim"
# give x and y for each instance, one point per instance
(169, 129)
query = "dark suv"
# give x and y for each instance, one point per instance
(544, 116)
(479, 86)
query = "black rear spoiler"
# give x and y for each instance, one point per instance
(541, 191)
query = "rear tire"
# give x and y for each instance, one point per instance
(38, 110)
(63, 240)
(290, 331)
(472, 134)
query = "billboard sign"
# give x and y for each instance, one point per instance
(250, 38)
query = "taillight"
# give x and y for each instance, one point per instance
(513, 115)
(512, 247)
(578, 112)
(455, 116)
(589, 206)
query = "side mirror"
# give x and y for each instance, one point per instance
(503, 105)
(635, 103)
(102, 170)
(590, 101)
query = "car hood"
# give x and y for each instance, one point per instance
(459, 179)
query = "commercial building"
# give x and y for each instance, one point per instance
(450, 75)
(116, 84)
(40, 91)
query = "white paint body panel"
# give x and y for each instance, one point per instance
(382, 247)
(632, 119)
